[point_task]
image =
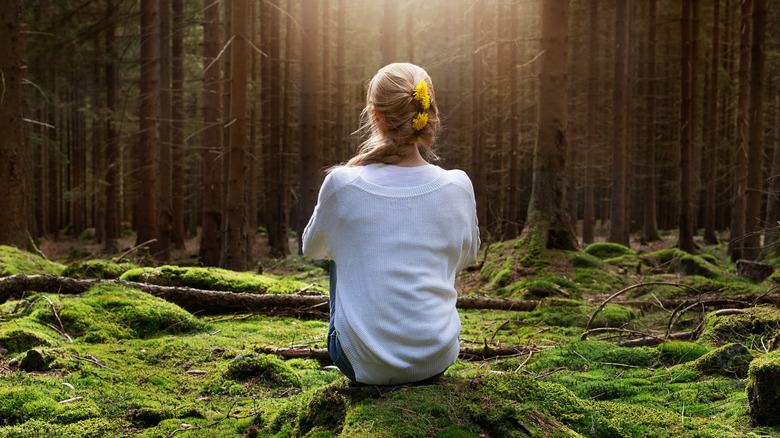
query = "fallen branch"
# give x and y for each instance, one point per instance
(652, 341)
(212, 302)
(624, 290)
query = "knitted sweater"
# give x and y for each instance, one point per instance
(397, 250)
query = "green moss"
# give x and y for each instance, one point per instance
(570, 313)
(97, 268)
(763, 389)
(110, 312)
(215, 279)
(586, 260)
(756, 324)
(264, 368)
(23, 335)
(675, 352)
(15, 261)
(608, 250)
(680, 262)
(730, 360)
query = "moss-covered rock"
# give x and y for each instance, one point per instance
(608, 250)
(17, 339)
(15, 261)
(674, 260)
(761, 324)
(36, 360)
(732, 360)
(97, 268)
(586, 260)
(763, 390)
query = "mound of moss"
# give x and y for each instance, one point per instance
(608, 250)
(262, 368)
(676, 352)
(564, 312)
(109, 312)
(541, 287)
(756, 324)
(674, 260)
(732, 360)
(97, 268)
(216, 279)
(15, 261)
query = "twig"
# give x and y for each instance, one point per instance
(624, 290)
(54, 311)
(124, 254)
(93, 361)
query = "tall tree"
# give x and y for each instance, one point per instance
(212, 179)
(165, 205)
(274, 158)
(711, 157)
(547, 212)
(112, 164)
(755, 180)
(145, 204)
(772, 226)
(650, 224)
(687, 125)
(618, 231)
(177, 124)
(309, 121)
(238, 252)
(16, 215)
(589, 208)
(739, 204)
(512, 219)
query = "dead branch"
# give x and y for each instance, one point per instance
(624, 290)
(652, 341)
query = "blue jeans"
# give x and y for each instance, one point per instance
(334, 345)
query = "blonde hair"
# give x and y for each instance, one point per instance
(388, 117)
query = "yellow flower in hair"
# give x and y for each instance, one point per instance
(421, 95)
(420, 121)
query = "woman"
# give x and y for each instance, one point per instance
(397, 230)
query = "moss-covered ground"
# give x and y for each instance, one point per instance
(116, 362)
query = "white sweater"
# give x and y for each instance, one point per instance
(397, 250)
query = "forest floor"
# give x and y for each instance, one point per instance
(676, 352)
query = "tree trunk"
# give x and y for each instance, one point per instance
(238, 253)
(213, 180)
(547, 208)
(711, 157)
(145, 205)
(738, 208)
(687, 124)
(650, 223)
(177, 125)
(16, 216)
(512, 216)
(112, 164)
(618, 227)
(589, 208)
(165, 206)
(772, 228)
(309, 122)
(755, 179)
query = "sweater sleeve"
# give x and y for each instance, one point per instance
(315, 237)
(472, 241)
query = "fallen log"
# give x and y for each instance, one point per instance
(211, 302)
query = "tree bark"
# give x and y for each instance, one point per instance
(589, 208)
(738, 208)
(547, 207)
(755, 179)
(162, 248)
(618, 229)
(177, 125)
(16, 216)
(213, 180)
(687, 128)
(711, 157)
(112, 164)
(238, 252)
(650, 223)
(145, 205)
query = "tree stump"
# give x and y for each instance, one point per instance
(755, 272)
(763, 390)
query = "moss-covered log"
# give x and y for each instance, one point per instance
(209, 301)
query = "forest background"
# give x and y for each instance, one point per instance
(215, 119)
